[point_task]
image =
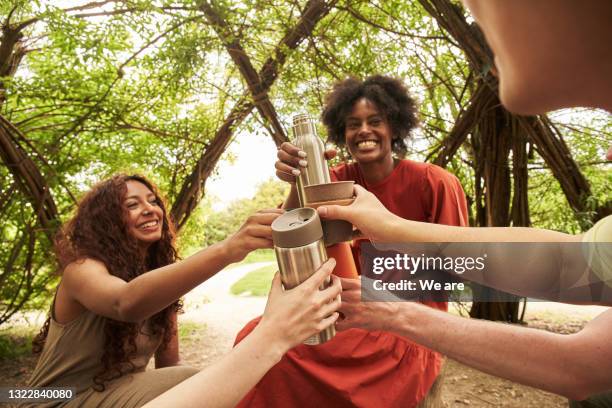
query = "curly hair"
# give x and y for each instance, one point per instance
(389, 95)
(99, 231)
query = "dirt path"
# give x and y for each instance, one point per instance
(224, 315)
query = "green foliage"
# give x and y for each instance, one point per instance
(190, 333)
(588, 134)
(144, 85)
(259, 255)
(16, 341)
(256, 283)
(206, 227)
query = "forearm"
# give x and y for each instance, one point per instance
(553, 362)
(247, 363)
(151, 292)
(402, 230)
(546, 270)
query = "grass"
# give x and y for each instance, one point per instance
(256, 283)
(16, 342)
(189, 332)
(259, 255)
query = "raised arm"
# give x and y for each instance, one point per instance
(89, 282)
(556, 272)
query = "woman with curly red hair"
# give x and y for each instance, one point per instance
(116, 304)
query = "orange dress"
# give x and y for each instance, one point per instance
(358, 368)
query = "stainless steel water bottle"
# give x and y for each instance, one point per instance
(306, 138)
(300, 251)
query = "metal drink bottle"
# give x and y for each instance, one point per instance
(300, 251)
(306, 138)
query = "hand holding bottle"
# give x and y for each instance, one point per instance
(291, 160)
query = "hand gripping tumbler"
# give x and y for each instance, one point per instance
(300, 251)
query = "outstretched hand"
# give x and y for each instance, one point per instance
(366, 213)
(255, 233)
(291, 316)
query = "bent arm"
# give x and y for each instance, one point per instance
(290, 317)
(91, 285)
(555, 271)
(576, 365)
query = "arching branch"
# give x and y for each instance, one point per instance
(248, 72)
(28, 177)
(192, 189)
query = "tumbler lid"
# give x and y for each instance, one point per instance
(297, 228)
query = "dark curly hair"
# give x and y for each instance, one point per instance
(391, 98)
(99, 231)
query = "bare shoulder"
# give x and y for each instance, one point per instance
(82, 267)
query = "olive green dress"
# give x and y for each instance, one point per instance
(71, 358)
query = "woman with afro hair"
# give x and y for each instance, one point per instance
(373, 119)
(116, 306)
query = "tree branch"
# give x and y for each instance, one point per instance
(193, 187)
(28, 177)
(248, 72)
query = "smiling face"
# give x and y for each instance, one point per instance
(144, 215)
(367, 133)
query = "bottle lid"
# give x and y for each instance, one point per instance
(303, 125)
(297, 228)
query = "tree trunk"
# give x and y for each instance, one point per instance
(495, 135)
(520, 201)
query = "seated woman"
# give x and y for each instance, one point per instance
(116, 304)
(372, 118)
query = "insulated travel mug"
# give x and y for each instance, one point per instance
(300, 251)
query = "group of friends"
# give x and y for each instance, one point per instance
(117, 302)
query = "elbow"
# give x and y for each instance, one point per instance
(578, 392)
(587, 369)
(587, 387)
(579, 386)
(126, 311)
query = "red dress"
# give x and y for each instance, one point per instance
(358, 367)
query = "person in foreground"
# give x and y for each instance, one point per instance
(116, 305)
(550, 54)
